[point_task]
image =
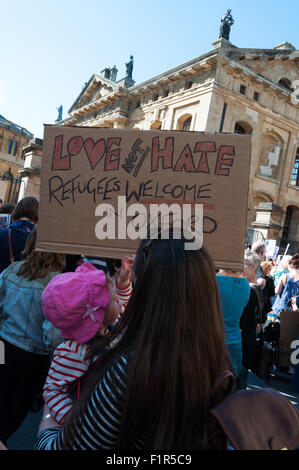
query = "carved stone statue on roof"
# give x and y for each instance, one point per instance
(129, 67)
(226, 22)
(59, 117)
(113, 73)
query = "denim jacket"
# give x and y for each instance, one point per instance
(22, 322)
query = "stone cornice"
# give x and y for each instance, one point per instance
(277, 53)
(177, 73)
(94, 80)
(15, 128)
(286, 122)
(182, 71)
(29, 171)
(229, 56)
(241, 69)
(267, 224)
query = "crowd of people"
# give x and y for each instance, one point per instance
(126, 354)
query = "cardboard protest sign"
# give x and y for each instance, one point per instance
(88, 169)
(271, 248)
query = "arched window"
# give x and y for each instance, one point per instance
(242, 127)
(184, 122)
(270, 156)
(286, 83)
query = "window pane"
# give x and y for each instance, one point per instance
(14, 148)
(243, 89)
(295, 173)
(187, 124)
(9, 146)
(239, 129)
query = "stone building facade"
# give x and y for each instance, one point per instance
(13, 138)
(228, 89)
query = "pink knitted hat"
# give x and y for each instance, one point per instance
(75, 302)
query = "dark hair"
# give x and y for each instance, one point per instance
(294, 261)
(112, 264)
(26, 207)
(8, 208)
(174, 326)
(71, 262)
(38, 264)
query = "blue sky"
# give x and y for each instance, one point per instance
(50, 48)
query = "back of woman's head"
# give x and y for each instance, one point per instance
(176, 290)
(294, 261)
(26, 208)
(266, 267)
(174, 326)
(38, 264)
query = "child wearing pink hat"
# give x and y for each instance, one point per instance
(81, 304)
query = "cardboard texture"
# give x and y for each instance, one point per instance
(289, 331)
(83, 167)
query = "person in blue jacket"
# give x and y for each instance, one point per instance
(234, 295)
(24, 217)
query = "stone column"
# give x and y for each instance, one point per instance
(30, 174)
(269, 220)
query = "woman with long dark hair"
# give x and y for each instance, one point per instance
(153, 388)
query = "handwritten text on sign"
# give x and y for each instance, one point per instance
(198, 160)
(83, 167)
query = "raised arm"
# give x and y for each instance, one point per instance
(281, 283)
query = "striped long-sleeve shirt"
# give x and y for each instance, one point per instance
(69, 363)
(124, 297)
(100, 424)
